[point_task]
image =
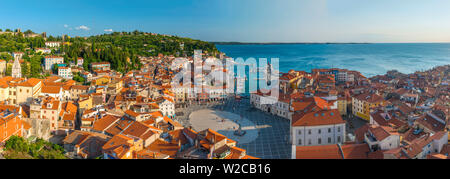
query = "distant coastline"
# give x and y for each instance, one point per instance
(283, 43)
(306, 43)
(370, 59)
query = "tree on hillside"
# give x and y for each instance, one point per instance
(25, 70)
(5, 56)
(51, 38)
(17, 144)
(28, 32)
(8, 71)
(35, 66)
(121, 49)
(19, 148)
(77, 77)
(55, 69)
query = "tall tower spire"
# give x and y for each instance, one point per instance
(16, 69)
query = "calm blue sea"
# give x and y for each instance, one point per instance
(369, 59)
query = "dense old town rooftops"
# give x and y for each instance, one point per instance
(133, 116)
(398, 109)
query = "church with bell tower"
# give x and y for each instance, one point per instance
(16, 69)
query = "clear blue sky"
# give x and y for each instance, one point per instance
(240, 20)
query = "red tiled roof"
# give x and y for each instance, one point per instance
(430, 123)
(318, 152)
(30, 82)
(317, 117)
(51, 89)
(103, 123)
(164, 147)
(349, 151)
(369, 97)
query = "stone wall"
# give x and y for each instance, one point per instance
(39, 128)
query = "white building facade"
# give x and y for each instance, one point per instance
(65, 72)
(49, 61)
(167, 107)
(318, 135)
(52, 44)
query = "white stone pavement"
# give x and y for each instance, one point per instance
(225, 123)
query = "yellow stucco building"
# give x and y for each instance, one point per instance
(362, 103)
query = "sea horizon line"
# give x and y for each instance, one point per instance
(293, 43)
